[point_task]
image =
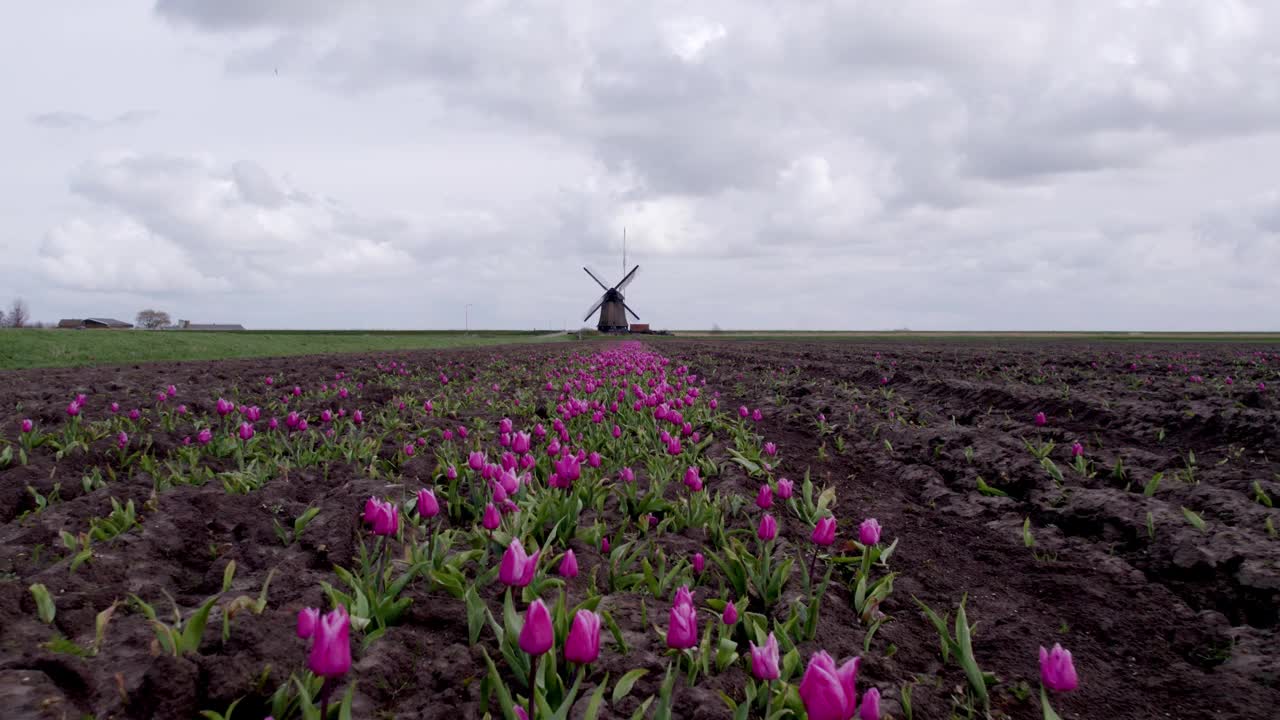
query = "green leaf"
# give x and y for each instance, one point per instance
(1049, 714)
(193, 631)
(1150, 488)
(597, 698)
(228, 574)
(626, 682)
(967, 661)
(476, 614)
(45, 608)
(1196, 521)
(985, 489)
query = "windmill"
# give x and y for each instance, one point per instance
(612, 304)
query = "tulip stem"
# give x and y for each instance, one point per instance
(768, 697)
(813, 563)
(533, 685)
(326, 689)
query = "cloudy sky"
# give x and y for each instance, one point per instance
(931, 164)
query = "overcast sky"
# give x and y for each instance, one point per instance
(930, 164)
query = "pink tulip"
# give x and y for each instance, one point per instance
(224, 407)
(829, 693)
(594, 460)
(330, 654)
(693, 479)
(617, 432)
(764, 660)
(357, 418)
(682, 628)
(307, 620)
(428, 506)
(1056, 669)
(730, 615)
(122, 440)
(491, 519)
(870, 709)
(476, 460)
(869, 532)
(768, 528)
(569, 565)
(205, 436)
(409, 450)
(384, 517)
(764, 498)
(27, 425)
(1041, 419)
(134, 414)
(1077, 450)
(785, 488)
(73, 409)
(699, 563)
(582, 646)
(504, 425)
(604, 545)
(517, 567)
(115, 407)
(520, 443)
(770, 449)
(246, 431)
(627, 474)
(269, 381)
(537, 636)
(824, 533)
(743, 412)
(451, 472)
(757, 415)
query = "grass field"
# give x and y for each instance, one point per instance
(982, 335)
(74, 348)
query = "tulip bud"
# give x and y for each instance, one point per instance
(785, 488)
(730, 616)
(27, 425)
(869, 532)
(330, 654)
(517, 567)
(764, 660)
(491, 519)
(1057, 672)
(699, 563)
(307, 619)
(829, 693)
(569, 565)
(825, 532)
(764, 498)
(428, 506)
(537, 636)
(1041, 419)
(768, 528)
(870, 709)
(582, 646)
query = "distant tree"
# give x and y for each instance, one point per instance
(3, 320)
(18, 314)
(152, 319)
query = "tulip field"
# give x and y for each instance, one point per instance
(668, 529)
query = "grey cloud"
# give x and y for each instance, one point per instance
(66, 120)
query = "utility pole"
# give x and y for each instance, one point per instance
(468, 319)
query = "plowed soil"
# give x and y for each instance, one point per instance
(1164, 619)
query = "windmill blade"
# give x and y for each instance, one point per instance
(626, 280)
(633, 312)
(595, 307)
(593, 277)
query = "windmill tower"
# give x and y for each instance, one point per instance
(612, 304)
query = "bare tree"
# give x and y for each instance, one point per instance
(18, 314)
(152, 319)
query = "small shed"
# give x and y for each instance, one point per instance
(94, 324)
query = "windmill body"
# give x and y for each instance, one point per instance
(612, 305)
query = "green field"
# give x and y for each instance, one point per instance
(74, 348)
(981, 335)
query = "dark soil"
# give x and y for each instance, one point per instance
(1177, 622)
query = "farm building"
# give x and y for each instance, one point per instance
(188, 325)
(94, 324)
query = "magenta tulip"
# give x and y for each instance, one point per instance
(537, 636)
(764, 660)
(582, 646)
(770, 449)
(764, 498)
(246, 431)
(224, 407)
(682, 628)
(1056, 669)
(27, 425)
(785, 488)
(743, 412)
(307, 620)
(1077, 450)
(569, 565)
(870, 709)
(383, 517)
(757, 415)
(73, 409)
(205, 436)
(330, 655)
(768, 528)
(1041, 419)
(520, 443)
(476, 460)
(730, 615)
(627, 474)
(428, 506)
(869, 531)
(491, 519)
(824, 533)
(829, 693)
(699, 563)
(517, 567)
(122, 440)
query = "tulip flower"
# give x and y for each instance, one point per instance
(870, 709)
(569, 565)
(520, 443)
(517, 567)
(594, 460)
(1041, 419)
(205, 436)
(764, 498)
(829, 693)
(770, 449)
(757, 415)
(604, 545)
(768, 528)
(764, 660)
(824, 533)
(357, 418)
(224, 407)
(730, 615)
(115, 407)
(476, 460)
(428, 506)
(869, 532)
(504, 425)
(122, 440)
(743, 412)
(384, 517)
(409, 450)
(537, 636)
(785, 488)
(73, 409)
(693, 479)
(1056, 669)
(307, 620)
(134, 414)
(627, 474)
(682, 628)
(699, 563)
(246, 431)
(27, 425)
(330, 655)
(582, 646)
